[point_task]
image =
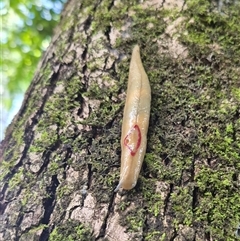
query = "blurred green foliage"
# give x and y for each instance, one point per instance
(26, 31)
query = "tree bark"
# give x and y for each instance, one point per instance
(60, 159)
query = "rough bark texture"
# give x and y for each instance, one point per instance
(61, 155)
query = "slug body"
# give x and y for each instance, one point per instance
(135, 122)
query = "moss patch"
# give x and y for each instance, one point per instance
(71, 231)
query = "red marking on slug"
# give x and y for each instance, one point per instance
(133, 139)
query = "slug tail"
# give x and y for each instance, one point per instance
(118, 187)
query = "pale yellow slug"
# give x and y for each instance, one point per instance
(135, 122)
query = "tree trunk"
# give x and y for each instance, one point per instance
(61, 154)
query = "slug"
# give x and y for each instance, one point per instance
(135, 123)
